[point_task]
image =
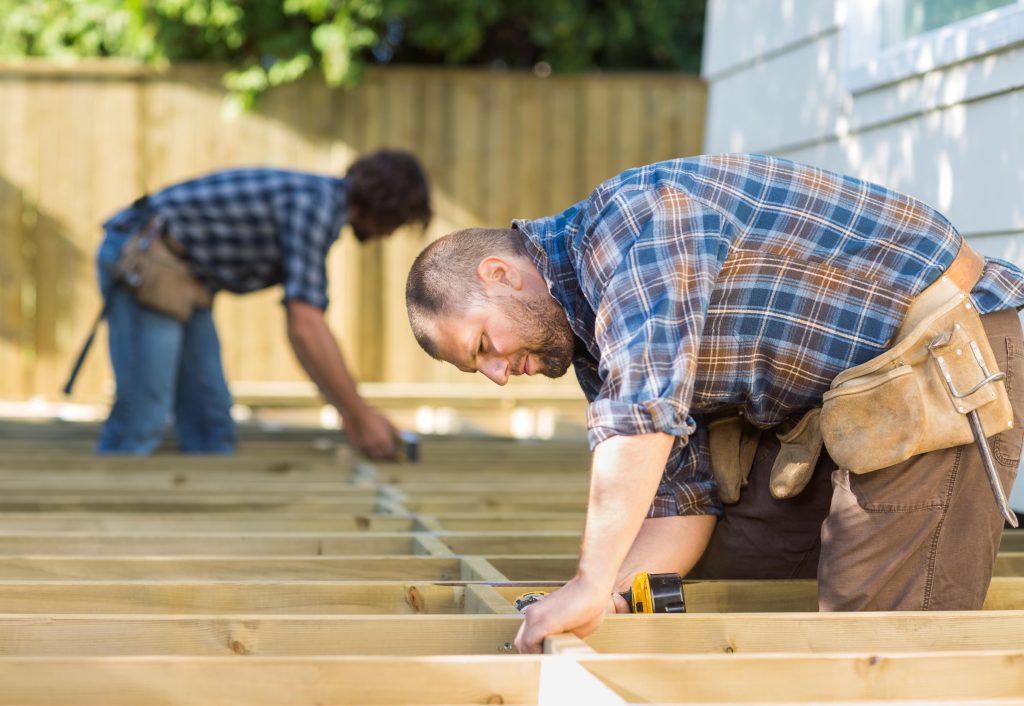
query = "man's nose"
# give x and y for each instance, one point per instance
(495, 370)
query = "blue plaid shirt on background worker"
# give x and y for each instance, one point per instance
(248, 229)
(735, 282)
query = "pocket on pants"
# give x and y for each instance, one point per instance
(921, 483)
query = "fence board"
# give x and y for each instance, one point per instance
(77, 143)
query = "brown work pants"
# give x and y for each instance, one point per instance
(921, 535)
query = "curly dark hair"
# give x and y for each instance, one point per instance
(390, 188)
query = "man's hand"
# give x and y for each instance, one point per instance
(318, 352)
(579, 607)
(372, 433)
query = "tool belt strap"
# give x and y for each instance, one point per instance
(963, 273)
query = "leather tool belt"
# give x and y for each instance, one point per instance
(914, 398)
(158, 277)
(910, 400)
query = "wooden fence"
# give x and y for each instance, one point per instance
(77, 142)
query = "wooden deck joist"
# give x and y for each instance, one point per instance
(199, 523)
(434, 634)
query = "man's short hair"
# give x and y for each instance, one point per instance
(443, 280)
(391, 187)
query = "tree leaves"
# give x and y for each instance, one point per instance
(271, 42)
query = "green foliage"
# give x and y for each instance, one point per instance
(570, 35)
(271, 42)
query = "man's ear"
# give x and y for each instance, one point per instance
(494, 271)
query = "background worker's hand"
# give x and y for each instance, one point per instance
(577, 607)
(372, 433)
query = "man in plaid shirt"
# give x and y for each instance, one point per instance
(729, 284)
(242, 230)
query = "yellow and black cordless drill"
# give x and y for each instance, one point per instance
(650, 593)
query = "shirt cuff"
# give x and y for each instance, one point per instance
(607, 418)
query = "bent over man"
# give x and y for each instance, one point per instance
(238, 230)
(708, 306)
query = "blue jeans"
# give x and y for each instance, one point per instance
(162, 368)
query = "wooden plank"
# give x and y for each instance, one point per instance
(190, 496)
(280, 681)
(241, 597)
(480, 598)
(942, 676)
(475, 568)
(272, 505)
(280, 466)
(512, 542)
(228, 568)
(1009, 564)
(211, 543)
(811, 632)
(488, 521)
(1013, 541)
(197, 523)
(535, 568)
(264, 635)
(440, 504)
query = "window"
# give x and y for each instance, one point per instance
(890, 40)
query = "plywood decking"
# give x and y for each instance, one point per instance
(293, 573)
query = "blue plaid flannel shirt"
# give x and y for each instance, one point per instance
(248, 229)
(735, 282)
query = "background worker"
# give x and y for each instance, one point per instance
(239, 230)
(699, 289)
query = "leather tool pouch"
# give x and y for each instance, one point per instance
(159, 279)
(732, 443)
(903, 403)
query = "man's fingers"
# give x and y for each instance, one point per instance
(528, 641)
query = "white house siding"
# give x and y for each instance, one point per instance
(778, 83)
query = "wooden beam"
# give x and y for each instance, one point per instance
(535, 568)
(440, 504)
(267, 635)
(811, 632)
(272, 504)
(238, 597)
(507, 522)
(942, 676)
(523, 542)
(485, 599)
(219, 464)
(283, 681)
(1013, 541)
(196, 523)
(211, 568)
(213, 543)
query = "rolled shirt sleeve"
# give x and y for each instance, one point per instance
(651, 307)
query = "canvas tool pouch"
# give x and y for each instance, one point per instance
(902, 403)
(732, 442)
(158, 278)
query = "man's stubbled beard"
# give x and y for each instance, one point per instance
(542, 326)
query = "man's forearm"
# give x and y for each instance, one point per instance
(666, 545)
(624, 478)
(320, 357)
